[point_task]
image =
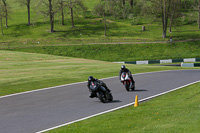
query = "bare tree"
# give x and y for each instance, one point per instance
(62, 10)
(1, 17)
(161, 9)
(2, 14)
(6, 12)
(173, 13)
(48, 9)
(51, 16)
(123, 2)
(104, 15)
(73, 6)
(27, 3)
(131, 3)
(72, 13)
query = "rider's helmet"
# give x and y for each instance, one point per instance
(90, 78)
(123, 67)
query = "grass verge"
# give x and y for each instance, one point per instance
(123, 52)
(175, 112)
(21, 71)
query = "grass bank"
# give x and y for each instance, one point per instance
(21, 71)
(176, 112)
(89, 28)
(122, 52)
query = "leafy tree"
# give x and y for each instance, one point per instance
(118, 9)
(100, 10)
(48, 9)
(27, 3)
(5, 12)
(174, 13)
(75, 6)
(51, 15)
(2, 15)
(62, 10)
(131, 3)
(163, 10)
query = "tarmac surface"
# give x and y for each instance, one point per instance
(40, 110)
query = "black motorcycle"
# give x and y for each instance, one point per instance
(100, 92)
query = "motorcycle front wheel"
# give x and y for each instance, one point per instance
(127, 86)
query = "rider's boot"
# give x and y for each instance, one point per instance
(92, 95)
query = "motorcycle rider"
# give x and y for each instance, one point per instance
(124, 69)
(90, 79)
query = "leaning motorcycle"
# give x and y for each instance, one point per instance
(100, 92)
(127, 82)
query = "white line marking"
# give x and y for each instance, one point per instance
(83, 82)
(116, 108)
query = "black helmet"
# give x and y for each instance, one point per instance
(123, 67)
(90, 78)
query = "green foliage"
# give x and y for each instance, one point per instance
(136, 20)
(99, 9)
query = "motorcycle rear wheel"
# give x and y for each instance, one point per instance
(110, 97)
(133, 87)
(102, 97)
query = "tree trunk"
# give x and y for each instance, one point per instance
(72, 17)
(199, 14)
(195, 2)
(163, 18)
(104, 15)
(1, 26)
(51, 14)
(124, 2)
(185, 4)
(105, 24)
(172, 16)
(4, 2)
(131, 3)
(28, 8)
(62, 13)
(165, 13)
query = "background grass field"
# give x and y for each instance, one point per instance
(21, 71)
(89, 29)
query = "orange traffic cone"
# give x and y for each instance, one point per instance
(136, 101)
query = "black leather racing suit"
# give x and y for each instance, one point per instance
(100, 83)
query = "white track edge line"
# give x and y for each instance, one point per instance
(117, 107)
(43, 89)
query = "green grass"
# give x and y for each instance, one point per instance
(20, 71)
(123, 52)
(175, 112)
(88, 30)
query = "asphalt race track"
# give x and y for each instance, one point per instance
(36, 111)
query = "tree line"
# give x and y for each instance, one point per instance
(165, 11)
